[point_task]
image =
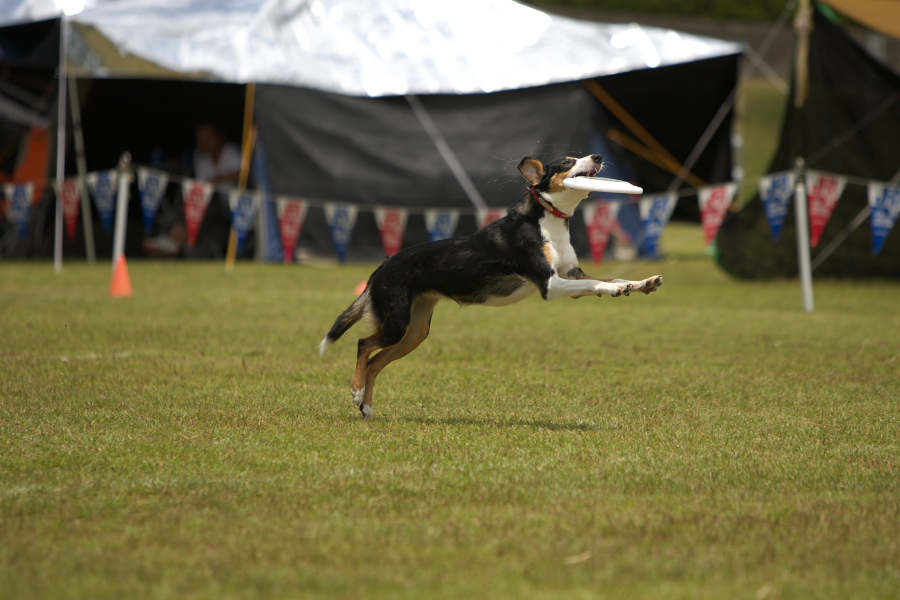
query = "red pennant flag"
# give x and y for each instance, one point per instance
(823, 191)
(196, 198)
(392, 226)
(490, 215)
(291, 212)
(71, 204)
(599, 217)
(714, 202)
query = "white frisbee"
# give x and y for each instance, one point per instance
(602, 184)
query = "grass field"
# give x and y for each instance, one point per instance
(708, 441)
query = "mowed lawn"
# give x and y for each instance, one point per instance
(710, 440)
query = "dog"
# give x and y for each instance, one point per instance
(523, 253)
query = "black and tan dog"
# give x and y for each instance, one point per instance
(526, 252)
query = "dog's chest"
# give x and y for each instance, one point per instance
(557, 246)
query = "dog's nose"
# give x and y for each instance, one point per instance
(596, 158)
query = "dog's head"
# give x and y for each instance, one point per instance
(549, 178)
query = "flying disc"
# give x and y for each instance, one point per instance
(602, 184)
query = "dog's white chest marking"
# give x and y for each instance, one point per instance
(557, 246)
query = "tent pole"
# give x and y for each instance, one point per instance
(446, 152)
(81, 164)
(802, 218)
(60, 144)
(249, 138)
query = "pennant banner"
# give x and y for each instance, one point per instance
(19, 196)
(196, 198)
(291, 213)
(441, 224)
(152, 185)
(599, 217)
(776, 191)
(885, 204)
(391, 225)
(714, 202)
(490, 215)
(243, 210)
(823, 192)
(70, 197)
(341, 219)
(655, 212)
(102, 185)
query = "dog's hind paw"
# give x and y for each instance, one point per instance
(366, 411)
(615, 288)
(358, 395)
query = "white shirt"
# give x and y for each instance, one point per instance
(229, 162)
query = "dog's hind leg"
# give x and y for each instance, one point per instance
(364, 349)
(416, 332)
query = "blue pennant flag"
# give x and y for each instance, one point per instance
(341, 219)
(776, 191)
(19, 212)
(441, 224)
(103, 189)
(152, 185)
(885, 204)
(655, 213)
(243, 210)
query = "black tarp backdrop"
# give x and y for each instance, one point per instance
(847, 88)
(373, 151)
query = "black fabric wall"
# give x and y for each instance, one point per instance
(850, 124)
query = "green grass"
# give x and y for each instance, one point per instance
(707, 441)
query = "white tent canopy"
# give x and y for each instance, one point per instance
(357, 47)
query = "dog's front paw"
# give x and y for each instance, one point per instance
(651, 284)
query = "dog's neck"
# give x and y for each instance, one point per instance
(560, 204)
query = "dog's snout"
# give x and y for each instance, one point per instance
(597, 158)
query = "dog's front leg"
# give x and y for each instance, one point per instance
(557, 287)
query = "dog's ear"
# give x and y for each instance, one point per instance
(532, 170)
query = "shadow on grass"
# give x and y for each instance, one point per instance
(506, 423)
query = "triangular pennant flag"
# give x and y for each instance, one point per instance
(19, 212)
(341, 219)
(391, 225)
(714, 202)
(489, 215)
(102, 185)
(291, 213)
(599, 217)
(823, 192)
(152, 185)
(655, 212)
(243, 210)
(70, 197)
(196, 198)
(885, 204)
(776, 191)
(441, 224)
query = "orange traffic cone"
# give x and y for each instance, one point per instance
(121, 282)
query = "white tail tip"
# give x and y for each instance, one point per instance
(324, 345)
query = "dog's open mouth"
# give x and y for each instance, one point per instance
(587, 172)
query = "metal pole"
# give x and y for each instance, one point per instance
(60, 144)
(121, 208)
(802, 216)
(81, 163)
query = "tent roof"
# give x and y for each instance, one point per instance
(880, 15)
(364, 48)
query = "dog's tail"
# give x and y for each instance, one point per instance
(348, 318)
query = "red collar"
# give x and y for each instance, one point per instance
(547, 206)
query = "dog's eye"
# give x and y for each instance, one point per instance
(568, 164)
